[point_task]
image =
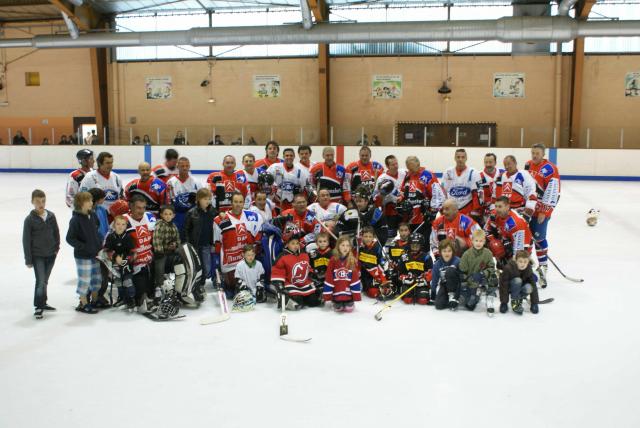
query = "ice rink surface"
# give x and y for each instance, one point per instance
(575, 364)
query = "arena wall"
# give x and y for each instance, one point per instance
(581, 164)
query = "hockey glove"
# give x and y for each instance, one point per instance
(261, 294)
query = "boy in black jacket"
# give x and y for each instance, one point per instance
(518, 279)
(119, 246)
(83, 236)
(41, 242)
(198, 231)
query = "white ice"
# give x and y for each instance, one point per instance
(575, 364)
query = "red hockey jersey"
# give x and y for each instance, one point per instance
(513, 228)
(418, 187)
(342, 284)
(266, 163)
(332, 178)
(462, 226)
(359, 173)
(294, 271)
(164, 173)
(232, 233)
(154, 191)
(223, 186)
(547, 180)
(141, 232)
(305, 222)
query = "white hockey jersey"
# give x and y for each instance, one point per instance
(332, 212)
(392, 197)
(463, 187)
(288, 182)
(487, 184)
(232, 233)
(520, 188)
(249, 275)
(73, 185)
(305, 167)
(112, 186)
(267, 213)
(179, 192)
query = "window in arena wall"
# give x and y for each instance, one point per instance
(32, 78)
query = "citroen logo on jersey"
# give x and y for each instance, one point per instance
(506, 188)
(300, 272)
(142, 231)
(366, 175)
(229, 187)
(412, 187)
(241, 229)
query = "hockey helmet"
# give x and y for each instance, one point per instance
(243, 302)
(169, 306)
(497, 247)
(84, 154)
(362, 191)
(119, 207)
(385, 187)
(592, 217)
(265, 177)
(416, 239)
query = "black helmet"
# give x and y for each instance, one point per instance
(265, 178)
(362, 191)
(385, 187)
(416, 239)
(84, 154)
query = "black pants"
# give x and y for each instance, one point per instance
(450, 284)
(143, 284)
(42, 267)
(312, 300)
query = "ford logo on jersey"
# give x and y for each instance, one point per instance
(110, 195)
(287, 186)
(459, 192)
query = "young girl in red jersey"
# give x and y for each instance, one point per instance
(342, 280)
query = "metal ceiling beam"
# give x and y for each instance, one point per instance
(62, 7)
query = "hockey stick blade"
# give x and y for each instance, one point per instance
(545, 301)
(569, 278)
(214, 320)
(152, 317)
(295, 339)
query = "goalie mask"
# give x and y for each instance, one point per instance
(265, 178)
(243, 302)
(169, 306)
(416, 242)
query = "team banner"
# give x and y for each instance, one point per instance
(386, 86)
(632, 84)
(266, 86)
(508, 85)
(158, 88)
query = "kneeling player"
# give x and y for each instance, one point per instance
(371, 265)
(320, 257)
(518, 279)
(291, 276)
(249, 275)
(342, 280)
(445, 281)
(415, 268)
(478, 271)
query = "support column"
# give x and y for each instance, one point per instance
(320, 12)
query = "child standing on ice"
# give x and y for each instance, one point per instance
(342, 280)
(478, 270)
(518, 279)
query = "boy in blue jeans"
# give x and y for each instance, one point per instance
(41, 243)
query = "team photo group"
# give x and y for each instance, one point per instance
(287, 231)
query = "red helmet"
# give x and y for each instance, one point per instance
(496, 247)
(119, 207)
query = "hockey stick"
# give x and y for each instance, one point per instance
(324, 226)
(562, 273)
(387, 306)
(284, 328)
(222, 300)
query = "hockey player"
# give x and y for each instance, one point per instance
(331, 176)
(547, 180)
(319, 257)
(272, 149)
(86, 161)
(488, 181)
(224, 183)
(141, 225)
(300, 219)
(233, 230)
(415, 268)
(249, 275)
(518, 280)
(152, 189)
(463, 184)
(181, 191)
(421, 198)
(304, 154)
(386, 193)
(453, 226)
(445, 281)
(342, 279)
(169, 168)
(510, 228)
(478, 271)
(399, 245)
(352, 221)
(291, 275)
(119, 247)
(364, 171)
(289, 180)
(326, 211)
(372, 264)
(250, 173)
(105, 179)
(263, 206)
(518, 186)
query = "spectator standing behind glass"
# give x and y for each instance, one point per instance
(136, 141)
(19, 140)
(179, 140)
(87, 139)
(64, 141)
(94, 138)
(146, 140)
(73, 139)
(375, 141)
(217, 141)
(45, 141)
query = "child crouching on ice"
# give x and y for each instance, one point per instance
(319, 258)
(478, 270)
(249, 275)
(291, 276)
(518, 279)
(342, 280)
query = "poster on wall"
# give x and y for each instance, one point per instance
(632, 84)
(158, 88)
(386, 86)
(508, 85)
(266, 86)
